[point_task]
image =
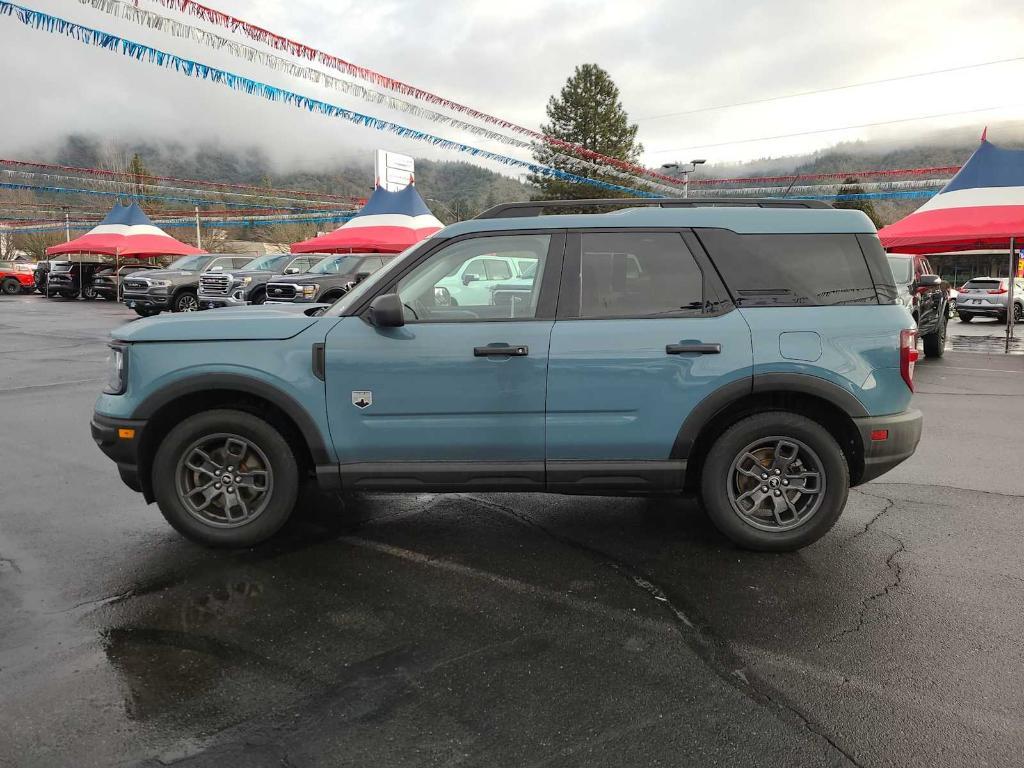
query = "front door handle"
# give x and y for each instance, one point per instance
(696, 348)
(504, 350)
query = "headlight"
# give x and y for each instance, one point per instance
(117, 377)
(246, 280)
(309, 291)
(161, 283)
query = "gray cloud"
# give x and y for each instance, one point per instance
(507, 58)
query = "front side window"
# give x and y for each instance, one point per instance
(638, 275)
(474, 280)
(267, 263)
(770, 270)
(335, 265)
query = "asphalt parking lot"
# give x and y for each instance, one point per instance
(500, 630)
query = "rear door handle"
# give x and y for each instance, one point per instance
(504, 350)
(698, 348)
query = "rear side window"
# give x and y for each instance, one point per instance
(767, 270)
(638, 275)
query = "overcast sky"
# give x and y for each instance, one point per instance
(506, 58)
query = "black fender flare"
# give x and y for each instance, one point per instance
(724, 396)
(204, 382)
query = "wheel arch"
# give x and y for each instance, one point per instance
(168, 406)
(816, 398)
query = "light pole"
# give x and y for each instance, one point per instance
(67, 223)
(199, 237)
(686, 169)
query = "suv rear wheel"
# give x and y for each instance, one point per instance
(935, 343)
(964, 317)
(11, 286)
(775, 482)
(225, 478)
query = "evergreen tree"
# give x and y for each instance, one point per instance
(851, 186)
(587, 112)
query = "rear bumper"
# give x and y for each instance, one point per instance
(903, 433)
(123, 451)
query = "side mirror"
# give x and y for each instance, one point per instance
(468, 278)
(292, 271)
(928, 281)
(386, 311)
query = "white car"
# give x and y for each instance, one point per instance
(473, 284)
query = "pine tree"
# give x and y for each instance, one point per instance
(587, 112)
(851, 186)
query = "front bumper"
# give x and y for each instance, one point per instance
(213, 302)
(111, 435)
(146, 300)
(903, 433)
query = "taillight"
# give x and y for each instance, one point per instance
(908, 355)
(1000, 290)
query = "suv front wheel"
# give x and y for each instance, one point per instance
(775, 482)
(186, 301)
(225, 478)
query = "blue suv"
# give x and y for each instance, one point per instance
(753, 352)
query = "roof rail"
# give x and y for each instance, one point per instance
(537, 207)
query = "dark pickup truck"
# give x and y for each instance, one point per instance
(176, 288)
(327, 280)
(220, 288)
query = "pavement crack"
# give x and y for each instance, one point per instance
(889, 504)
(97, 602)
(893, 565)
(698, 635)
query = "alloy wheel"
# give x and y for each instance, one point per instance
(187, 303)
(776, 484)
(224, 480)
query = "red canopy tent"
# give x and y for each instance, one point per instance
(982, 207)
(389, 223)
(126, 231)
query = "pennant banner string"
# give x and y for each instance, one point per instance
(151, 20)
(89, 36)
(300, 50)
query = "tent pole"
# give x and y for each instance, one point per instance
(1009, 295)
(117, 274)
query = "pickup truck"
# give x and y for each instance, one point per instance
(175, 289)
(238, 287)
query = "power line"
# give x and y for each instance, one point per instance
(831, 89)
(833, 130)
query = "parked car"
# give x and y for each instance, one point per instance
(755, 354)
(16, 278)
(106, 282)
(248, 285)
(476, 281)
(175, 288)
(327, 280)
(922, 290)
(989, 297)
(72, 279)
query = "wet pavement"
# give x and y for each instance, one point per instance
(500, 630)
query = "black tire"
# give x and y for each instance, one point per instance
(330, 298)
(282, 477)
(964, 317)
(10, 286)
(1018, 313)
(723, 466)
(89, 293)
(935, 343)
(258, 297)
(186, 301)
(142, 312)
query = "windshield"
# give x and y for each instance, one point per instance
(902, 269)
(268, 263)
(335, 265)
(360, 290)
(189, 262)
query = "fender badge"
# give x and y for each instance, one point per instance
(362, 398)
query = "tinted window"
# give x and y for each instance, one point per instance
(791, 270)
(495, 269)
(902, 269)
(189, 262)
(983, 284)
(638, 275)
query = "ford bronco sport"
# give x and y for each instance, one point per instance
(753, 352)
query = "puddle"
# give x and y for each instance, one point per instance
(985, 344)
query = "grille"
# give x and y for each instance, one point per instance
(136, 285)
(215, 284)
(280, 291)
